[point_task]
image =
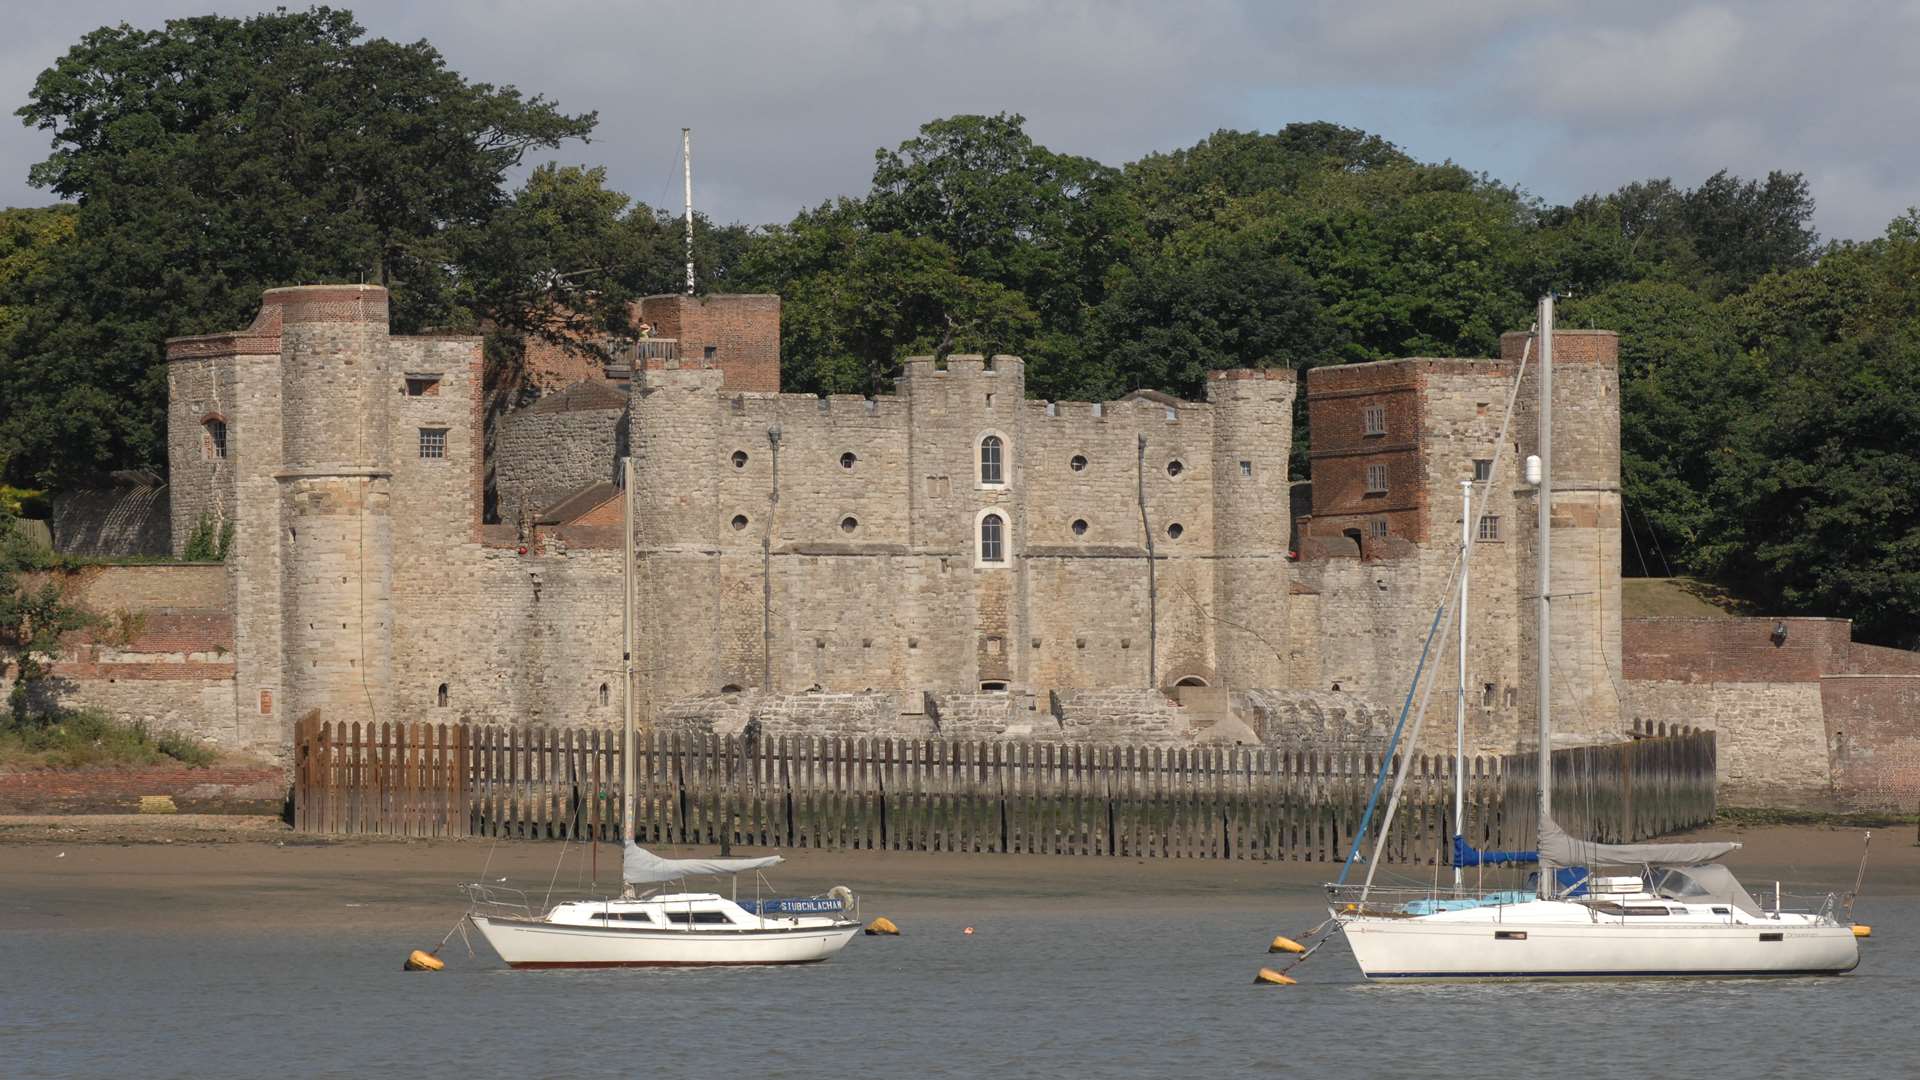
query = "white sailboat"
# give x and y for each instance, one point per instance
(656, 929)
(1678, 912)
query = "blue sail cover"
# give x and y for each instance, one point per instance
(1465, 854)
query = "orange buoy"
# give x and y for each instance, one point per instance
(419, 960)
(1862, 930)
(883, 925)
(968, 931)
(1270, 977)
(1286, 944)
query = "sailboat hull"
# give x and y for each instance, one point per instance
(1514, 946)
(539, 944)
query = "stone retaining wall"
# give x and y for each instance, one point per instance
(216, 790)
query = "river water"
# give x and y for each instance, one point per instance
(1057, 994)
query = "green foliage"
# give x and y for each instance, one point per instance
(208, 541)
(216, 157)
(77, 738)
(32, 622)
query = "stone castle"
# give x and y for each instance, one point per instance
(952, 559)
(953, 554)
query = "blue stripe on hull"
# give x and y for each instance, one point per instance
(1603, 974)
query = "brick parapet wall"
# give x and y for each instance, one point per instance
(1873, 732)
(219, 789)
(742, 330)
(1721, 650)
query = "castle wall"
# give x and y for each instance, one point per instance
(1806, 717)
(815, 565)
(554, 448)
(1253, 519)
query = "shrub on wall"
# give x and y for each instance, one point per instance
(209, 541)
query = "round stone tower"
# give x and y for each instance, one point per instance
(336, 597)
(1252, 440)
(1586, 529)
(691, 467)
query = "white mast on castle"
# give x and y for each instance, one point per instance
(686, 166)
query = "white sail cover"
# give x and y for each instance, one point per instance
(1558, 849)
(643, 867)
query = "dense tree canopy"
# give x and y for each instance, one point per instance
(1769, 382)
(215, 157)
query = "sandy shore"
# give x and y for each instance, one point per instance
(254, 874)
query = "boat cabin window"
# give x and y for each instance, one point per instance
(698, 918)
(1608, 907)
(1722, 911)
(624, 916)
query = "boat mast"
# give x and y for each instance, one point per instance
(1460, 707)
(626, 656)
(1544, 606)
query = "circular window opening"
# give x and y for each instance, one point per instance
(1080, 526)
(848, 524)
(1176, 467)
(847, 460)
(1174, 530)
(1079, 463)
(739, 459)
(739, 522)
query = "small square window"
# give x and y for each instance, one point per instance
(1376, 479)
(1482, 468)
(423, 386)
(1375, 420)
(1377, 528)
(1489, 527)
(1246, 468)
(710, 352)
(433, 442)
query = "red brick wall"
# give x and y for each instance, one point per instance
(1337, 401)
(742, 330)
(1732, 650)
(221, 789)
(1569, 347)
(1876, 660)
(1873, 732)
(551, 366)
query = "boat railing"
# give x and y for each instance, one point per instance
(1825, 906)
(1401, 901)
(495, 900)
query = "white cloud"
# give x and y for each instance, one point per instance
(789, 101)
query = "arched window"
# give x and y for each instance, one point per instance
(442, 696)
(992, 468)
(993, 539)
(604, 695)
(214, 447)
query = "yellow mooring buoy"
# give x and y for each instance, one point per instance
(420, 960)
(1286, 944)
(883, 925)
(1862, 930)
(1270, 977)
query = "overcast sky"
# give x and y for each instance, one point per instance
(789, 101)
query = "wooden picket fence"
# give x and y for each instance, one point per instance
(965, 795)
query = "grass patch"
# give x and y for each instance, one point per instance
(1857, 819)
(1679, 598)
(77, 738)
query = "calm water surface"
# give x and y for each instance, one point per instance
(1052, 995)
